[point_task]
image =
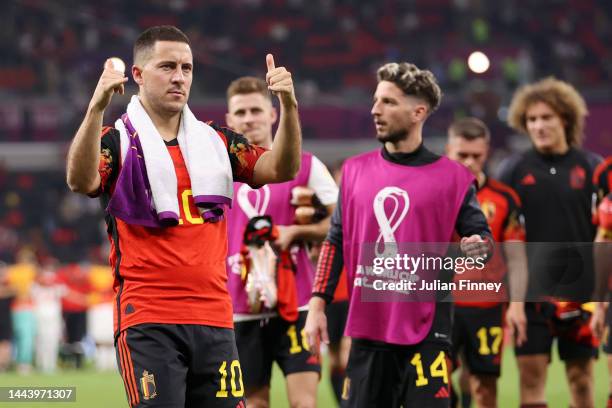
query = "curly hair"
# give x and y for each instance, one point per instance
(412, 81)
(561, 97)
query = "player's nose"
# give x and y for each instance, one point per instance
(248, 117)
(178, 76)
(538, 124)
(376, 111)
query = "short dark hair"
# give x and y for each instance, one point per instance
(412, 81)
(247, 85)
(147, 39)
(469, 129)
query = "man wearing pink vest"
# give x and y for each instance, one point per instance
(272, 330)
(402, 193)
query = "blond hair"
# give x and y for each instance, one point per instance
(412, 81)
(247, 85)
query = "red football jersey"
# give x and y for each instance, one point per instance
(501, 206)
(173, 275)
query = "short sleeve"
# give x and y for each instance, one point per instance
(602, 178)
(605, 213)
(514, 228)
(242, 154)
(322, 182)
(108, 166)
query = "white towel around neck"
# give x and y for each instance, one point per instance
(204, 152)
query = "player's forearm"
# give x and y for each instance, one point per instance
(313, 232)
(602, 254)
(516, 261)
(329, 269)
(287, 148)
(84, 154)
(471, 220)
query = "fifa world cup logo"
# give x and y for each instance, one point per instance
(386, 245)
(262, 199)
(260, 264)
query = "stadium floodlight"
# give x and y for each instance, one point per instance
(478, 62)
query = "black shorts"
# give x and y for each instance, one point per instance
(607, 341)
(541, 331)
(6, 322)
(261, 342)
(336, 313)
(393, 376)
(76, 326)
(478, 334)
(180, 365)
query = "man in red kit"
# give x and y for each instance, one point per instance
(165, 179)
(602, 315)
(74, 309)
(478, 325)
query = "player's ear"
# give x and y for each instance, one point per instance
(229, 121)
(137, 75)
(420, 112)
(273, 115)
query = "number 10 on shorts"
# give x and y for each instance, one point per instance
(235, 372)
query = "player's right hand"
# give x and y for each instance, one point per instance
(598, 320)
(516, 322)
(316, 325)
(111, 81)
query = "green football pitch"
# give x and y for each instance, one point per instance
(105, 390)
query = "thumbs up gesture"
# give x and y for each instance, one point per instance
(280, 82)
(110, 81)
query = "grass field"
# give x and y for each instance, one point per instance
(105, 390)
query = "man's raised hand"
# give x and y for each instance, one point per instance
(110, 81)
(280, 82)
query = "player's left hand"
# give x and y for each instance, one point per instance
(474, 246)
(286, 235)
(315, 328)
(280, 82)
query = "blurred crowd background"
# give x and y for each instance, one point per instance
(52, 242)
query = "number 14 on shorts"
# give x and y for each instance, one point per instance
(436, 369)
